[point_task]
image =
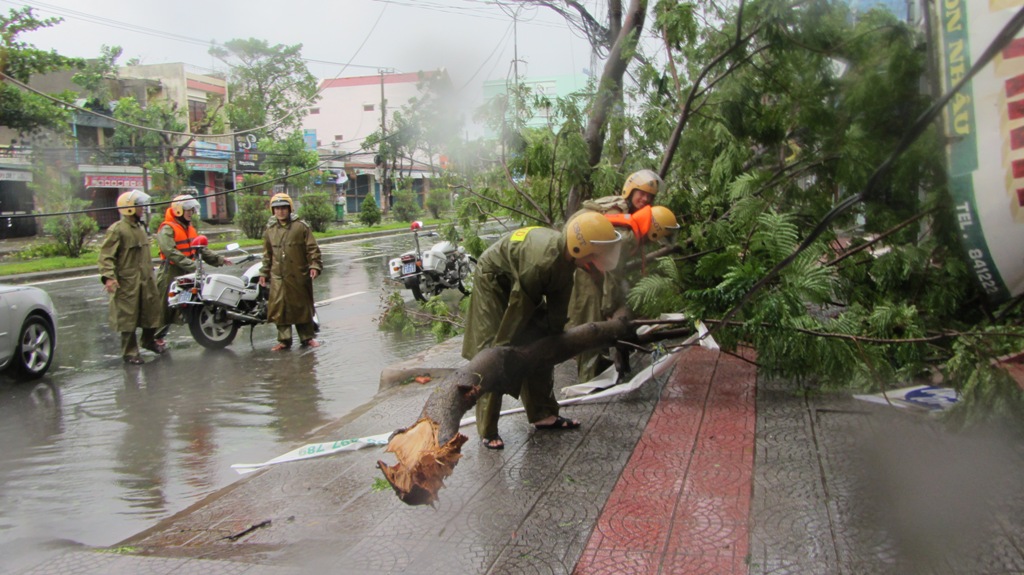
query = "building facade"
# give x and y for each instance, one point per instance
(349, 110)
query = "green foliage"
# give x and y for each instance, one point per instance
(429, 125)
(394, 318)
(40, 250)
(405, 208)
(437, 314)
(149, 146)
(94, 77)
(252, 215)
(776, 132)
(71, 231)
(290, 159)
(369, 213)
(270, 86)
(444, 322)
(438, 200)
(22, 111)
(988, 392)
(55, 194)
(317, 210)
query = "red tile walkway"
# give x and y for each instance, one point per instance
(682, 503)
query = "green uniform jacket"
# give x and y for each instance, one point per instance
(124, 256)
(523, 281)
(289, 252)
(596, 301)
(176, 263)
(593, 301)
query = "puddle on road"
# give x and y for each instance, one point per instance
(97, 451)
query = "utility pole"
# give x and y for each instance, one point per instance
(385, 187)
(515, 49)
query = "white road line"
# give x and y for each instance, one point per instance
(348, 295)
(367, 257)
(63, 280)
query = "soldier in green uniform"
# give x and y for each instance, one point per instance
(174, 237)
(126, 272)
(595, 299)
(291, 261)
(599, 299)
(521, 291)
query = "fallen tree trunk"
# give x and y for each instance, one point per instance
(429, 450)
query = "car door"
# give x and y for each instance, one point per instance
(8, 332)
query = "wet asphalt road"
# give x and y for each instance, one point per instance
(96, 450)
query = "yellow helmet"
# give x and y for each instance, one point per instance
(181, 204)
(280, 200)
(592, 238)
(645, 180)
(663, 224)
(129, 202)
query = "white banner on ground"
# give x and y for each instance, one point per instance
(316, 450)
(926, 397)
(328, 448)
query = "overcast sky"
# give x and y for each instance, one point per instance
(473, 39)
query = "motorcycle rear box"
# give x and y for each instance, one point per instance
(223, 289)
(433, 261)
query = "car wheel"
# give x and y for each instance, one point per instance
(35, 348)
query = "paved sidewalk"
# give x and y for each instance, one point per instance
(708, 470)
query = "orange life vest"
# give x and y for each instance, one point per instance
(639, 221)
(182, 236)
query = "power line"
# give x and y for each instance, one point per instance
(111, 23)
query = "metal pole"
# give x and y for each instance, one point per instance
(384, 204)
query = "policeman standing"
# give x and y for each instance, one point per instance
(291, 261)
(127, 275)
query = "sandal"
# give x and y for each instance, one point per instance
(156, 347)
(493, 443)
(311, 343)
(133, 360)
(280, 347)
(559, 423)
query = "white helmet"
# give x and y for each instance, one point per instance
(129, 202)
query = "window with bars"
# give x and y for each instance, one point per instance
(196, 114)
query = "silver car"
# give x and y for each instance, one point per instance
(28, 331)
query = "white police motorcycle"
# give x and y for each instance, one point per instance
(215, 305)
(429, 272)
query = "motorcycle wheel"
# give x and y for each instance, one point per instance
(417, 292)
(466, 272)
(210, 332)
(426, 288)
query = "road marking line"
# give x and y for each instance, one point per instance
(367, 257)
(63, 280)
(348, 295)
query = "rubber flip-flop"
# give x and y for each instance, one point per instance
(558, 424)
(489, 443)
